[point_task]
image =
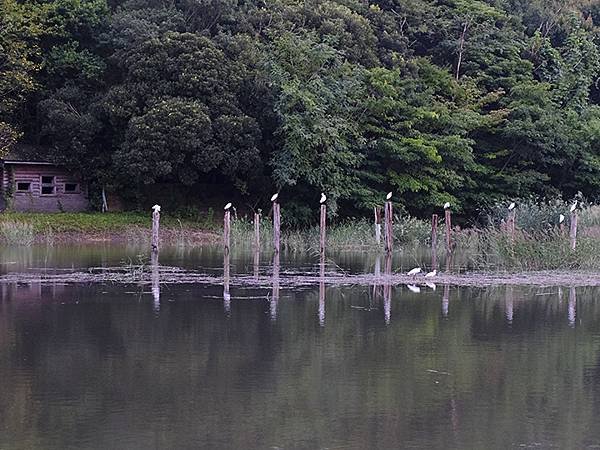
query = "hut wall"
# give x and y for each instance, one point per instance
(34, 199)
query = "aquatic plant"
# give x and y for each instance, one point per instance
(17, 233)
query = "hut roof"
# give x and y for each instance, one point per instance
(26, 154)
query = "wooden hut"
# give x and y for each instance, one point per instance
(31, 183)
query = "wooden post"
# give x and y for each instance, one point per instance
(155, 227)
(256, 231)
(448, 220)
(377, 213)
(323, 226)
(434, 226)
(388, 228)
(276, 226)
(227, 231)
(573, 232)
(511, 223)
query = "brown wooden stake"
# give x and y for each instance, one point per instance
(227, 231)
(387, 289)
(511, 223)
(448, 221)
(388, 227)
(276, 226)
(573, 231)
(434, 227)
(256, 231)
(377, 213)
(155, 228)
(323, 227)
(509, 300)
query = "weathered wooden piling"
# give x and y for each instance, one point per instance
(155, 227)
(511, 220)
(276, 226)
(388, 227)
(448, 223)
(155, 281)
(434, 227)
(509, 300)
(573, 230)
(377, 214)
(323, 229)
(227, 231)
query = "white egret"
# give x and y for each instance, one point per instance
(511, 206)
(274, 197)
(227, 206)
(561, 218)
(414, 272)
(573, 206)
(156, 208)
(413, 288)
(433, 273)
(323, 198)
(446, 205)
(388, 196)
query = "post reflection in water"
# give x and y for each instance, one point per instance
(226, 275)
(387, 289)
(509, 304)
(322, 291)
(572, 309)
(256, 262)
(445, 300)
(275, 291)
(155, 282)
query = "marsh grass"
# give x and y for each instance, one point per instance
(17, 233)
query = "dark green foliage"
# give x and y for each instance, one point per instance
(467, 101)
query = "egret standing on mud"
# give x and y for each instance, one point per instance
(431, 274)
(414, 272)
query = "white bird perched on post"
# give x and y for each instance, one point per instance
(511, 206)
(573, 206)
(561, 218)
(323, 198)
(446, 205)
(388, 196)
(274, 197)
(431, 274)
(414, 272)
(156, 208)
(227, 206)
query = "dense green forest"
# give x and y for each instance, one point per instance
(467, 101)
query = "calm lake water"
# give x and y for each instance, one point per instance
(103, 366)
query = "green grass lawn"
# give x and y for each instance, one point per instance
(94, 222)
